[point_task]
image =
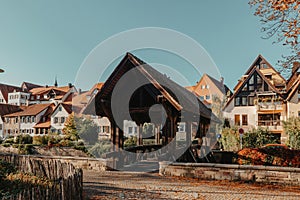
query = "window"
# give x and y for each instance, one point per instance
(55, 120)
(181, 127)
(32, 119)
(16, 120)
(237, 101)
(237, 120)
(105, 129)
(207, 86)
(298, 113)
(207, 97)
(62, 119)
(0, 126)
(251, 101)
(38, 97)
(135, 129)
(244, 120)
(244, 101)
(202, 86)
(201, 98)
(32, 97)
(59, 108)
(130, 130)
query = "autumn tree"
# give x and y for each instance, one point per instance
(281, 19)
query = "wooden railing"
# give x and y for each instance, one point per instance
(65, 178)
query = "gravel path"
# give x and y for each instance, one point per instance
(133, 185)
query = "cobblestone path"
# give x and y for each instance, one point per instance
(134, 185)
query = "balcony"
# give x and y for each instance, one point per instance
(264, 106)
(272, 125)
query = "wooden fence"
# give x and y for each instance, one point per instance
(66, 179)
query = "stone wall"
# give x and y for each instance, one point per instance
(262, 174)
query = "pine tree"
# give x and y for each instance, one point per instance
(70, 130)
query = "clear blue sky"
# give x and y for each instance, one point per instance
(42, 39)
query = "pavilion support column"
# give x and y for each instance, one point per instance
(157, 134)
(140, 137)
(188, 130)
(113, 136)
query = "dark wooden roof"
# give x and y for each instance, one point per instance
(5, 89)
(8, 109)
(163, 86)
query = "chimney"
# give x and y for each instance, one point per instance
(47, 86)
(222, 80)
(70, 85)
(79, 91)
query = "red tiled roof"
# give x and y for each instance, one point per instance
(46, 124)
(30, 110)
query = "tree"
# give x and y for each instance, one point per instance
(281, 18)
(70, 128)
(87, 130)
(292, 128)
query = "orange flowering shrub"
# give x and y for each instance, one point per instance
(269, 156)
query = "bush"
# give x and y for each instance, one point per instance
(6, 144)
(40, 140)
(292, 128)
(81, 148)
(66, 143)
(230, 139)
(257, 138)
(9, 141)
(23, 139)
(269, 156)
(130, 142)
(99, 149)
(5, 169)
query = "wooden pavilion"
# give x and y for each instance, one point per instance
(177, 103)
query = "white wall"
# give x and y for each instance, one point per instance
(250, 111)
(293, 106)
(130, 125)
(59, 114)
(30, 125)
(19, 100)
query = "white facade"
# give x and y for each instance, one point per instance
(103, 125)
(18, 98)
(293, 106)
(58, 118)
(130, 128)
(28, 122)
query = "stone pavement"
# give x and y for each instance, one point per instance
(139, 185)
